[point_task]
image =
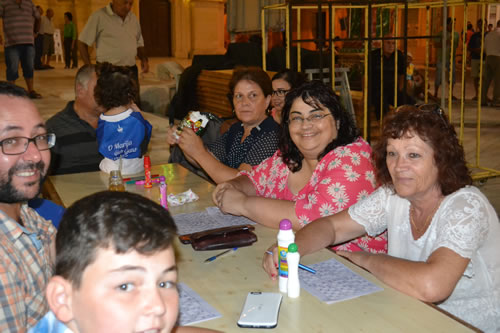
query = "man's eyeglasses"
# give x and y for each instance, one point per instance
(314, 119)
(19, 144)
(280, 92)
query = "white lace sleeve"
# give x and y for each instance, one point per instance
(463, 223)
(371, 212)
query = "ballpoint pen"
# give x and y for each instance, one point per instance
(304, 267)
(137, 178)
(221, 254)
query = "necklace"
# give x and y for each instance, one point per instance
(427, 220)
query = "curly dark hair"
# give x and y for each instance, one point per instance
(433, 127)
(316, 94)
(115, 86)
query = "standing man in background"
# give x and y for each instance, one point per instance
(439, 65)
(476, 56)
(21, 20)
(39, 44)
(388, 56)
(492, 72)
(47, 28)
(70, 48)
(117, 35)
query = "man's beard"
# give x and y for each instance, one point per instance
(10, 194)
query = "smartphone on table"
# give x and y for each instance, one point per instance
(260, 310)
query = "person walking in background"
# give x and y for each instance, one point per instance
(492, 73)
(439, 62)
(48, 29)
(39, 45)
(117, 36)
(70, 52)
(476, 57)
(470, 32)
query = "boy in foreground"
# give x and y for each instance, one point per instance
(115, 268)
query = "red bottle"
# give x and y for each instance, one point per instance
(147, 172)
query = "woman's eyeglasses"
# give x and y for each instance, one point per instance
(314, 119)
(280, 92)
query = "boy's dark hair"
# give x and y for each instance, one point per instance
(121, 221)
(69, 16)
(9, 89)
(115, 86)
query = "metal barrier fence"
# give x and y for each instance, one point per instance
(400, 8)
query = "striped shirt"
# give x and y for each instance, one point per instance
(76, 147)
(25, 267)
(18, 21)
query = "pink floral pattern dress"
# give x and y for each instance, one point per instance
(343, 177)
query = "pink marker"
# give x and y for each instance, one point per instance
(163, 193)
(142, 182)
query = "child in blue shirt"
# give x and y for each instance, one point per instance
(122, 132)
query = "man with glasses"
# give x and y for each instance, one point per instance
(27, 240)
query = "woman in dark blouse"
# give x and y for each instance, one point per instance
(248, 142)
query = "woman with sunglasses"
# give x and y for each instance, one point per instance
(283, 81)
(247, 142)
(443, 234)
(322, 167)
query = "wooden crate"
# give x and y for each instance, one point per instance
(212, 90)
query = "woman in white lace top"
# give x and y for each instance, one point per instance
(443, 234)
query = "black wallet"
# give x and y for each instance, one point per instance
(221, 238)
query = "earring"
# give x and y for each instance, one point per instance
(338, 125)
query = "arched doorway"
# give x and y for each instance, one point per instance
(156, 27)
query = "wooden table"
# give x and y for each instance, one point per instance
(225, 282)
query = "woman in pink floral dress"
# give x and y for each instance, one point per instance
(322, 167)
